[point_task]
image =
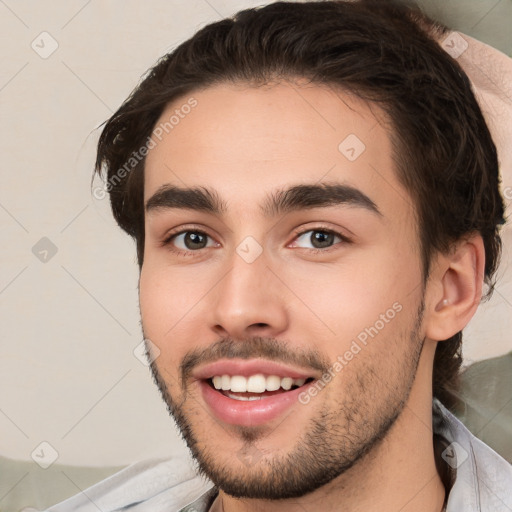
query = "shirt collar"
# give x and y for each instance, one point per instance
(481, 479)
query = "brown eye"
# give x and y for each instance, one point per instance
(191, 240)
(318, 239)
(321, 239)
(195, 240)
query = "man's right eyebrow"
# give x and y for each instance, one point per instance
(197, 198)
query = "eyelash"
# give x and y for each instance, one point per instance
(167, 242)
(313, 250)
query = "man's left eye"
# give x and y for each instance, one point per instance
(317, 239)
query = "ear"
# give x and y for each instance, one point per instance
(454, 288)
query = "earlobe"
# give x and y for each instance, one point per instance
(455, 286)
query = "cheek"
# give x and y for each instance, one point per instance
(166, 303)
(168, 296)
(156, 303)
(346, 298)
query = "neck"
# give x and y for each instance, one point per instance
(398, 474)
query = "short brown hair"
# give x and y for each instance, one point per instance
(383, 52)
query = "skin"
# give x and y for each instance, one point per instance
(246, 143)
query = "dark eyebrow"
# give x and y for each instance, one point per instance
(302, 197)
(298, 197)
(198, 198)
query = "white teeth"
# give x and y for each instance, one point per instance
(286, 383)
(217, 382)
(226, 382)
(257, 383)
(238, 384)
(273, 383)
(242, 397)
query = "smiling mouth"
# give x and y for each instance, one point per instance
(255, 387)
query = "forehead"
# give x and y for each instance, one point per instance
(246, 141)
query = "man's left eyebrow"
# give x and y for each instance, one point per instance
(302, 197)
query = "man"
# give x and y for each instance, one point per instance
(314, 196)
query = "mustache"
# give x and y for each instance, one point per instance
(256, 347)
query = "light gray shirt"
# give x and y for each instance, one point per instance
(483, 480)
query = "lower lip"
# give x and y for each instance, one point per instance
(248, 412)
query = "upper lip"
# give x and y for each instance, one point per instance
(248, 367)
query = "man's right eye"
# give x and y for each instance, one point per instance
(190, 241)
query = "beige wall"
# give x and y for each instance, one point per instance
(69, 324)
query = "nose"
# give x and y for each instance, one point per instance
(249, 301)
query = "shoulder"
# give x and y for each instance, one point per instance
(483, 479)
(155, 485)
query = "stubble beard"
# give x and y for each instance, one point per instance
(335, 440)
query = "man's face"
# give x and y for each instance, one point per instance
(300, 262)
